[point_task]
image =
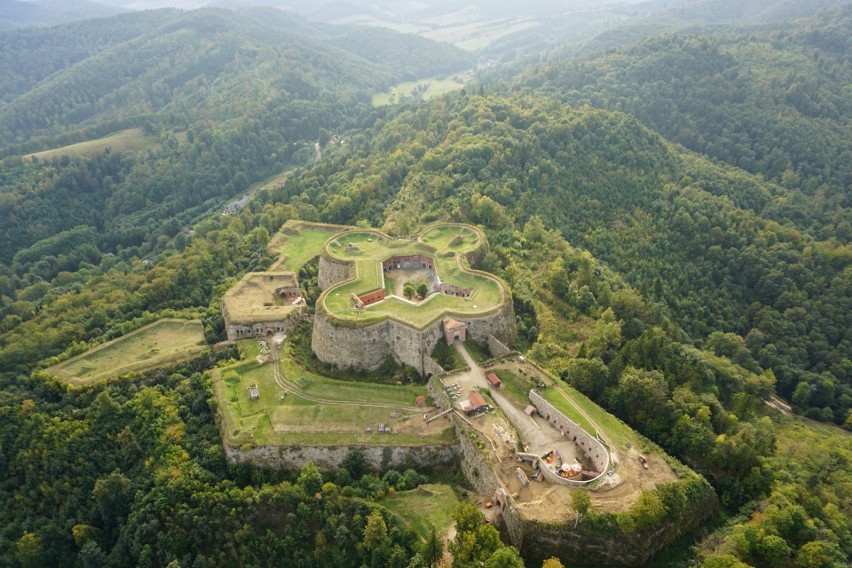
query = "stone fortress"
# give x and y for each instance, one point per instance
(525, 460)
(347, 339)
(262, 303)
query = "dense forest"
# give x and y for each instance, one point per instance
(672, 216)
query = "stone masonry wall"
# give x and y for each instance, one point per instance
(479, 472)
(366, 347)
(411, 346)
(350, 347)
(596, 451)
(328, 458)
(332, 271)
(496, 347)
(500, 324)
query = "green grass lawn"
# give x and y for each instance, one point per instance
(443, 243)
(300, 243)
(433, 88)
(130, 140)
(163, 342)
(339, 415)
(515, 387)
(423, 508)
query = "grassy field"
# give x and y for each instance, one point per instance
(423, 508)
(157, 344)
(427, 89)
(298, 243)
(130, 140)
(314, 410)
(443, 243)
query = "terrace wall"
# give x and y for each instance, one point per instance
(243, 331)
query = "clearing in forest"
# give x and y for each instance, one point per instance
(160, 343)
(424, 89)
(130, 140)
(427, 507)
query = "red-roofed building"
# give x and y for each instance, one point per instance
(476, 401)
(421, 401)
(494, 380)
(454, 330)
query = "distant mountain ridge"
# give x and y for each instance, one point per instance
(18, 13)
(205, 63)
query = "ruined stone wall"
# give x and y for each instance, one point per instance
(332, 271)
(596, 451)
(350, 347)
(329, 458)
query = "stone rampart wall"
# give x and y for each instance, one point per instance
(350, 347)
(333, 271)
(241, 331)
(500, 324)
(366, 347)
(478, 470)
(596, 451)
(329, 458)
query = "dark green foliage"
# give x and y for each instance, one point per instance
(141, 465)
(772, 103)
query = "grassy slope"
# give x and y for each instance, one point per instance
(428, 506)
(336, 415)
(161, 342)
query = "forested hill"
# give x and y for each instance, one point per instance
(774, 103)
(696, 236)
(222, 100)
(205, 64)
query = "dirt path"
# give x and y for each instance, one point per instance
(447, 559)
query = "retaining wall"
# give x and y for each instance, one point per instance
(243, 331)
(596, 451)
(329, 458)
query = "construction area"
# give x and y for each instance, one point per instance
(524, 443)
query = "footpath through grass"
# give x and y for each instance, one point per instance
(163, 342)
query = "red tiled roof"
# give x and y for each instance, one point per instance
(494, 379)
(476, 400)
(451, 324)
